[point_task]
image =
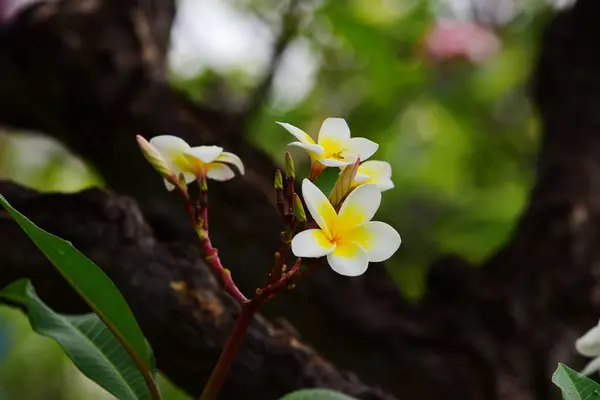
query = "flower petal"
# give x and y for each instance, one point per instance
(169, 185)
(312, 149)
(359, 207)
(206, 154)
(311, 243)
(169, 146)
(319, 207)
(589, 344)
(348, 259)
(385, 184)
(379, 239)
(344, 159)
(360, 177)
(334, 129)
(188, 177)
(298, 133)
(230, 158)
(376, 169)
(172, 149)
(219, 172)
(362, 148)
(592, 367)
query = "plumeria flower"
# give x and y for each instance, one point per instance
(192, 162)
(334, 146)
(349, 239)
(376, 172)
(589, 345)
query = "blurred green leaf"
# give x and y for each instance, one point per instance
(575, 386)
(316, 394)
(86, 340)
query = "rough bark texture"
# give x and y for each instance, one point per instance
(180, 306)
(91, 73)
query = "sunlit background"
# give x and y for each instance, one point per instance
(441, 85)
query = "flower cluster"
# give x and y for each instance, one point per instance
(342, 230)
(348, 238)
(180, 163)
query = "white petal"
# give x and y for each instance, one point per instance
(319, 206)
(376, 169)
(385, 184)
(315, 149)
(169, 146)
(589, 344)
(298, 133)
(348, 259)
(334, 162)
(360, 177)
(231, 158)
(362, 148)
(334, 129)
(359, 207)
(206, 154)
(172, 149)
(311, 243)
(219, 172)
(379, 239)
(169, 185)
(592, 367)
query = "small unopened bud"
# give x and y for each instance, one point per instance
(154, 157)
(290, 171)
(182, 181)
(278, 180)
(203, 184)
(299, 209)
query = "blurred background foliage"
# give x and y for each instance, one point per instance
(441, 85)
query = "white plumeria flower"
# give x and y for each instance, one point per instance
(376, 172)
(349, 239)
(195, 162)
(334, 146)
(589, 345)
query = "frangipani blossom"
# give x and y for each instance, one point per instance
(349, 239)
(375, 172)
(334, 146)
(589, 345)
(192, 162)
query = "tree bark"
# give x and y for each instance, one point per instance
(492, 332)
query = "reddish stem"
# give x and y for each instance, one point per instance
(230, 350)
(210, 253)
(212, 258)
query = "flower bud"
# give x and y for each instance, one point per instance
(154, 157)
(299, 209)
(343, 185)
(203, 184)
(290, 171)
(182, 181)
(278, 180)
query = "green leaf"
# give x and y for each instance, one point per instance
(575, 386)
(91, 346)
(88, 280)
(316, 394)
(96, 289)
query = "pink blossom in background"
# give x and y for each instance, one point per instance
(450, 39)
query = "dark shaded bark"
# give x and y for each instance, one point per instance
(181, 308)
(493, 332)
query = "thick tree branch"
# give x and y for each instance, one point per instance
(183, 311)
